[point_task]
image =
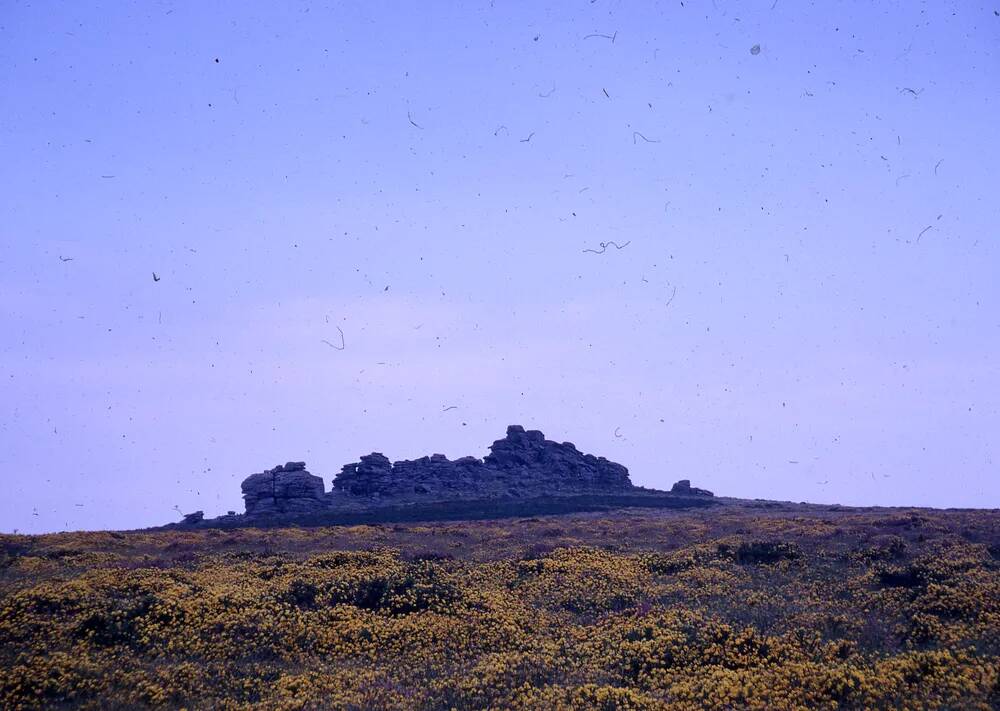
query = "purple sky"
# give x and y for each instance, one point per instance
(779, 322)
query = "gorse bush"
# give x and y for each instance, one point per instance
(626, 611)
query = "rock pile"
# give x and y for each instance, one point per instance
(521, 465)
(434, 476)
(529, 461)
(287, 488)
(684, 488)
(524, 463)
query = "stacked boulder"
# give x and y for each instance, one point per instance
(521, 465)
(287, 488)
(529, 462)
(370, 477)
(427, 477)
(524, 463)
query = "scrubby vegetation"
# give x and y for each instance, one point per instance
(638, 610)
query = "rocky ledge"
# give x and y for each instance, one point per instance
(521, 466)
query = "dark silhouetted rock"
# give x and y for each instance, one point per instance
(427, 477)
(193, 518)
(684, 488)
(370, 477)
(284, 489)
(527, 459)
(523, 465)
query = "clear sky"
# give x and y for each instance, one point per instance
(804, 305)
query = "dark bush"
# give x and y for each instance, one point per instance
(909, 577)
(337, 559)
(659, 564)
(761, 552)
(530, 568)
(422, 587)
(302, 594)
(116, 625)
(896, 548)
(369, 593)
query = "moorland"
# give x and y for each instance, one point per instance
(754, 605)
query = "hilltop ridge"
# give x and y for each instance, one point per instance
(523, 473)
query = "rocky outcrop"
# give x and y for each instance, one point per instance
(522, 465)
(684, 488)
(428, 477)
(530, 462)
(287, 488)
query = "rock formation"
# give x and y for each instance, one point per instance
(537, 462)
(522, 465)
(684, 488)
(284, 489)
(435, 477)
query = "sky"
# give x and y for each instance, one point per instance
(749, 244)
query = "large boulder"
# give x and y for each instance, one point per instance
(684, 488)
(369, 477)
(193, 518)
(529, 460)
(287, 488)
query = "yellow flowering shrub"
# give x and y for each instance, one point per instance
(732, 609)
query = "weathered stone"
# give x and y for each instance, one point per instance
(369, 477)
(281, 491)
(521, 465)
(536, 462)
(192, 518)
(684, 488)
